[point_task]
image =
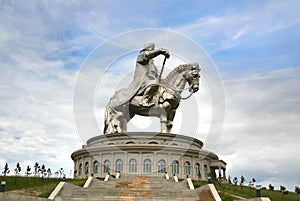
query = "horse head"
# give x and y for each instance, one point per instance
(192, 75)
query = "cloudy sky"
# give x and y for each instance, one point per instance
(254, 44)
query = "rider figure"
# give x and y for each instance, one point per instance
(145, 62)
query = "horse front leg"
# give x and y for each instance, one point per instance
(163, 124)
(170, 119)
(165, 108)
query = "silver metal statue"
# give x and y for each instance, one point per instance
(148, 94)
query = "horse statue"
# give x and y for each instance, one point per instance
(166, 100)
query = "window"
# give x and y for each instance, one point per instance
(119, 165)
(175, 167)
(86, 168)
(197, 169)
(130, 142)
(106, 166)
(147, 165)
(80, 169)
(95, 167)
(132, 165)
(205, 171)
(161, 166)
(187, 168)
(152, 142)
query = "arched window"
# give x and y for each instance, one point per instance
(132, 165)
(197, 169)
(119, 165)
(130, 142)
(95, 167)
(80, 170)
(106, 166)
(147, 165)
(205, 171)
(86, 168)
(187, 168)
(175, 167)
(161, 166)
(152, 142)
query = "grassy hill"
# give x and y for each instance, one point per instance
(231, 192)
(34, 186)
(39, 187)
(247, 192)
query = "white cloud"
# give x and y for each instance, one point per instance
(42, 45)
(233, 27)
(260, 136)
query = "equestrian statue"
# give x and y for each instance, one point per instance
(148, 94)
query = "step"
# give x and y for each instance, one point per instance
(141, 188)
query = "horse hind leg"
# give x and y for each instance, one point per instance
(112, 123)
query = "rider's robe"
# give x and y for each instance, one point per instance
(145, 75)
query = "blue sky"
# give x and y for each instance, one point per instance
(254, 44)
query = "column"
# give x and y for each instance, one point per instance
(100, 168)
(154, 164)
(181, 168)
(224, 173)
(169, 164)
(140, 164)
(82, 167)
(125, 166)
(192, 168)
(90, 166)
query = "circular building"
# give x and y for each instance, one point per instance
(145, 153)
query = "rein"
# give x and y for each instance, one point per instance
(176, 90)
(191, 93)
(159, 81)
(187, 96)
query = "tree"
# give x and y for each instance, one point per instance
(251, 183)
(271, 188)
(229, 180)
(43, 171)
(6, 170)
(17, 170)
(36, 169)
(235, 180)
(49, 172)
(297, 190)
(283, 190)
(242, 180)
(61, 172)
(28, 169)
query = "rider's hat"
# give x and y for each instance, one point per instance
(148, 46)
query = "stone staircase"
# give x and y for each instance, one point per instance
(134, 188)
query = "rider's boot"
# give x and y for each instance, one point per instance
(148, 95)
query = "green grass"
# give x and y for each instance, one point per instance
(227, 191)
(226, 197)
(198, 184)
(32, 186)
(247, 192)
(39, 187)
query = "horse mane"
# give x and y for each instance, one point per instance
(178, 69)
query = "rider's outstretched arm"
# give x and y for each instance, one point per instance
(154, 53)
